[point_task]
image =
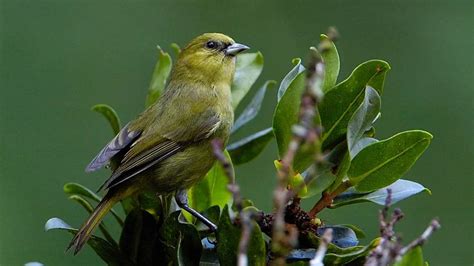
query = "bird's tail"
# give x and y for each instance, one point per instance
(81, 237)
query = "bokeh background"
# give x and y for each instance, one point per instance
(58, 58)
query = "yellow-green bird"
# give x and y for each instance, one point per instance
(167, 148)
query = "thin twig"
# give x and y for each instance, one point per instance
(434, 225)
(305, 132)
(323, 247)
(245, 216)
(390, 248)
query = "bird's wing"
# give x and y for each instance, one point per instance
(123, 139)
(162, 144)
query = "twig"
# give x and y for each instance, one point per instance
(434, 225)
(303, 132)
(245, 216)
(323, 247)
(390, 248)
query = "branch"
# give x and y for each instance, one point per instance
(433, 226)
(323, 247)
(245, 216)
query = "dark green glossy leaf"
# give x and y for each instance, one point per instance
(228, 238)
(139, 237)
(213, 214)
(78, 189)
(86, 205)
(336, 255)
(340, 103)
(248, 148)
(362, 119)
(382, 163)
(342, 236)
(110, 114)
(414, 257)
(107, 252)
(159, 77)
(286, 113)
(288, 79)
(331, 64)
(252, 109)
(179, 242)
(361, 144)
(211, 190)
(318, 184)
(359, 233)
(401, 189)
(247, 69)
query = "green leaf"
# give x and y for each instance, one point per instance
(331, 64)
(176, 49)
(78, 189)
(362, 119)
(228, 238)
(336, 255)
(361, 144)
(288, 79)
(340, 103)
(343, 237)
(401, 189)
(110, 114)
(252, 109)
(159, 77)
(414, 257)
(211, 190)
(248, 148)
(382, 163)
(179, 242)
(286, 113)
(86, 205)
(318, 184)
(139, 237)
(247, 69)
(107, 252)
(359, 233)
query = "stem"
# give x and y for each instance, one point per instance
(327, 198)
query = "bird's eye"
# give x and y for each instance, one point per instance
(211, 44)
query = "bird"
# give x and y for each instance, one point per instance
(167, 148)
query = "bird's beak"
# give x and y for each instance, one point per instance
(235, 48)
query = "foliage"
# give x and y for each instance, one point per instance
(154, 232)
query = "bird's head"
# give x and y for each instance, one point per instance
(209, 57)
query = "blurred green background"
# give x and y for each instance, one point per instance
(58, 58)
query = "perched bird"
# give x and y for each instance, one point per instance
(167, 148)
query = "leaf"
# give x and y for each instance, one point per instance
(246, 149)
(176, 49)
(211, 190)
(342, 237)
(247, 69)
(110, 114)
(340, 103)
(228, 238)
(139, 237)
(318, 184)
(359, 233)
(78, 189)
(107, 252)
(336, 255)
(288, 79)
(382, 163)
(401, 189)
(159, 77)
(331, 63)
(252, 109)
(286, 113)
(179, 242)
(361, 144)
(414, 257)
(362, 119)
